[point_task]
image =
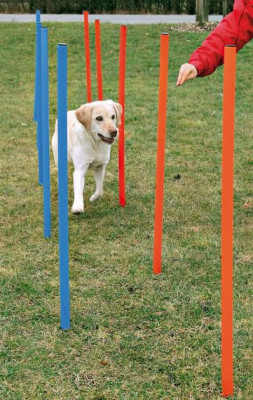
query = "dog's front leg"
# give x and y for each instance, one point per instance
(78, 178)
(99, 178)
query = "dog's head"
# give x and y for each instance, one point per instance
(100, 119)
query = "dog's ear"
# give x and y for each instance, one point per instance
(83, 115)
(118, 109)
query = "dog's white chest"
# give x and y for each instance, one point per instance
(100, 157)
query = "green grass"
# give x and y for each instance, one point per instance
(133, 335)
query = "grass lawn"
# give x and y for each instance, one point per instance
(133, 335)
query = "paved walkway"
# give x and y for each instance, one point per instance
(114, 19)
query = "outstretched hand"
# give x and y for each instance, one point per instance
(186, 72)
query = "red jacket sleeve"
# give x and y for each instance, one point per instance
(236, 29)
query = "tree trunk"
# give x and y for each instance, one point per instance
(224, 7)
(206, 10)
(202, 11)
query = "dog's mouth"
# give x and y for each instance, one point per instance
(106, 139)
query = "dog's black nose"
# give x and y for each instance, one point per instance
(113, 133)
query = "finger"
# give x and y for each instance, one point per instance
(184, 76)
(181, 73)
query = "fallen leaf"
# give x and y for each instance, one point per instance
(104, 363)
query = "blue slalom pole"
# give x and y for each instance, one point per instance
(45, 132)
(39, 108)
(36, 66)
(63, 185)
(37, 15)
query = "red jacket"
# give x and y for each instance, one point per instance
(236, 28)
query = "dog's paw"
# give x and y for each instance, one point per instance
(95, 197)
(77, 208)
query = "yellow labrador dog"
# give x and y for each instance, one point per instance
(91, 131)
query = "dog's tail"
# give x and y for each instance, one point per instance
(55, 144)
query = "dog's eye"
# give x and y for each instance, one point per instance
(99, 118)
(113, 116)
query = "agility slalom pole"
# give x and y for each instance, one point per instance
(45, 132)
(87, 54)
(122, 74)
(99, 60)
(39, 108)
(161, 141)
(227, 220)
(63, 185)
(36, 66)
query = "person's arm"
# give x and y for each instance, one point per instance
(236, 28)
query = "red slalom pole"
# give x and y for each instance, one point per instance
(99, 59)
(122, 73)
(87, 54)
(227, 221)
(161, 141)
